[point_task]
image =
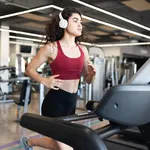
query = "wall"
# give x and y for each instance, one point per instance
(106, 51)
(95, 51)
(33, 50)
(118, 51)
(112, 51)
(15, 49)
(12, 54)
(136, 50)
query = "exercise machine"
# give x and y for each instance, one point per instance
(25, 94)
(141, 77)
(3, 94)
(122, 114)
(125, 106)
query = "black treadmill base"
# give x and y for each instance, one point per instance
(119, 146)
(120, 143)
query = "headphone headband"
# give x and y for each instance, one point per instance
(60, 16)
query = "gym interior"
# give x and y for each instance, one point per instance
(111, 113)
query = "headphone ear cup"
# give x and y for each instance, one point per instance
(63, 23)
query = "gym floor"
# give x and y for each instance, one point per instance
(11, 131)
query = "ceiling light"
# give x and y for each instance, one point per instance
(20, 32)
(115, 45)
(24, 38)
(117, 27)
(112, 14)
(90, 44)
(59, 8)
(22, 43)
(84, 43)
(30, 10)
(86, 17)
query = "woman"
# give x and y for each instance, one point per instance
(68, 61)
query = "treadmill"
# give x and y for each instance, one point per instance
(141, 132)
(125, 106)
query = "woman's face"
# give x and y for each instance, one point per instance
(74, 25)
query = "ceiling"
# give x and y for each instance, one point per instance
(34, 22)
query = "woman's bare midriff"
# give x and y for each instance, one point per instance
(70, 86)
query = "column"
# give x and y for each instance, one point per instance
(4, 57)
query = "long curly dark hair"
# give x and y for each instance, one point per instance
(53, 32)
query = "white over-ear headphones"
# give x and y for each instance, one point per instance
(63, 22)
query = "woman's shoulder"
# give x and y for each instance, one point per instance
(50, 47)
(84, 49)
(82, 46)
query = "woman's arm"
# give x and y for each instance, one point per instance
(43, 55)
(37, 61)
(88, 69)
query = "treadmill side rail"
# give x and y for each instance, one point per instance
(77, 136)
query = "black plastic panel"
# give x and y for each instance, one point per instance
(126, 104)
(77, 136)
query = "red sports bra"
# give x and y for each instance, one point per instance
(67, 68)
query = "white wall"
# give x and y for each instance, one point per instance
(95, 51)
(4, 57)
(112, 51)
(108, 51)
(136, 50)
(12, 54)
(33, 50)
(15, 49)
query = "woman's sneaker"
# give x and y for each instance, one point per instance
(23, 141)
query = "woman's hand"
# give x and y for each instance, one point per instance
(53, 83)
(91, 69)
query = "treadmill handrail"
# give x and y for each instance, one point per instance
(77, 136)
(77, 117)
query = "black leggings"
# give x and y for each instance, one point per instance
(59, 103)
